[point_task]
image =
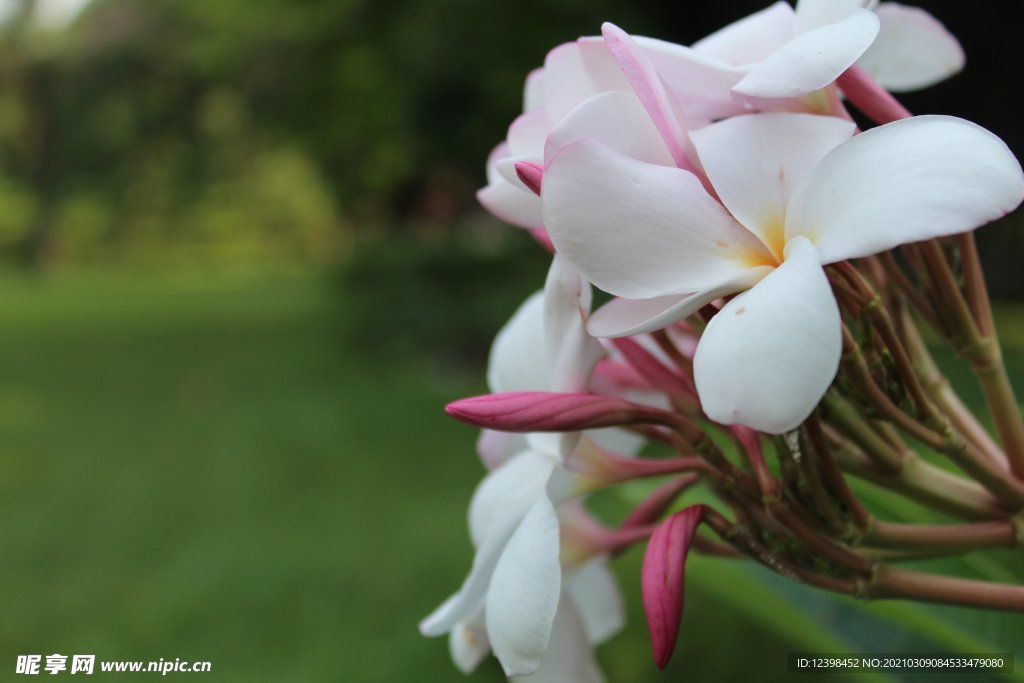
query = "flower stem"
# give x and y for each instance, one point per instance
(950, 538)
(894, 582)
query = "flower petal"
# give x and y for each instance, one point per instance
(468, 643)
(524, 591)
(595, 593)
(812, 59)
(767, 358)
(752, 38)
(648, 86)
(616, 119)
(518, 360)
(626, 317)
(510, 202)
(495, 448)
(569, 657)
(909, 180)
(811, 14)
(572, 353)
(756, 162)
(640, 230)
(533, 90)
(575, 72)
(913, 49)
(527, 133)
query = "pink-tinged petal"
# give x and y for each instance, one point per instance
(906, 181)
(767, 358)
(539, 411)
(527, 133)
(575, 72)
(626, 317)
(757, 162)
(871, 99)
(569, 656)
(641, 230)
(533, 90)
(531, 174)
(647, 85)
(913, 49)
(507, 493)
(511, 204)
(519, 359)
(468, 643)
(506, 168)
(752, 38)
(812, 59)
(541, 236)
(812, 14)
(523, 594)
(595, 593)
(663, 577)
(616, 119)
(494, 448)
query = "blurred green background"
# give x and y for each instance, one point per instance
(242, 272)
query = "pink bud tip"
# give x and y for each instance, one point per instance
(531, 174)
(663, 576)
(540, 411)
(543, 239)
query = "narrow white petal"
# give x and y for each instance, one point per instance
(811, 14)
(571, 351)
(524, 591)
(756, 162)
(596, 595)
(767, 358)
(569, 657)
(812, 59)
(640, 230)
(468, 643)
(518, 360)
(616, 119)
(913, 49)
(752, 38)
(626, 317)
(910, 180)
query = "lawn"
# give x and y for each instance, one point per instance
(213, 469)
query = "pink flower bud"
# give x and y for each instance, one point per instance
(540, 411)
(651, 369)
(531, 174)
(664, 572)
(871, 98)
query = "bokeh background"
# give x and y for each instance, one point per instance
(242, 271)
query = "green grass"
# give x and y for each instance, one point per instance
(214, 470)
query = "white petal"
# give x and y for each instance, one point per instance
(913, 49)
(533, 90)
(618, 120)
(811, 60)
(527, 133)
(752, 38)
(507, 169)
(811, 14)
(756, 162)
(626, 317)
(640, 230)
(468, 643)
(498, 507)
(519, 360)
(571, 351)
(511, 204)
(569, 657)
(495, 448)
(574, 72)
(508, 491)
(524, 590)
(910, 180)
(595, 593)
(767, 358)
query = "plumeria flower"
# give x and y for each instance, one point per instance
(794, 192)
(516, 575)
(785, 59)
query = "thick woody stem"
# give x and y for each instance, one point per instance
(949, 538)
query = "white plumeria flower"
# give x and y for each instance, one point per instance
(516, 575)
(796, 191)
(590, 611)
(785, 59)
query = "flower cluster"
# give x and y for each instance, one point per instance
(720, 194)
